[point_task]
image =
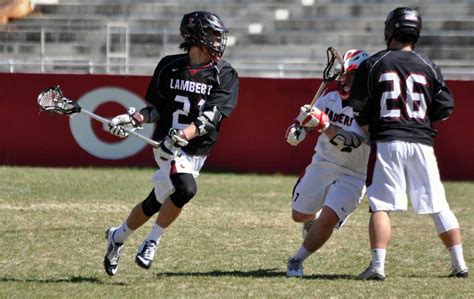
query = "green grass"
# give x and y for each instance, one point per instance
(232, 240)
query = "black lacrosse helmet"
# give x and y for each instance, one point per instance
(206, 29)
(403, 24)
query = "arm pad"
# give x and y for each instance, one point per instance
(208, 120)
(150, 114)
(345, 140)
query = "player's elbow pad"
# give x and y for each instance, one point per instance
(150, 114)
(441, 115)
(208, 121)
(346, 141)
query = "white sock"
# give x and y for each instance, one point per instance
(122, 233)
(302, 253)
(155, 233)
(457, 257)
(378, 258)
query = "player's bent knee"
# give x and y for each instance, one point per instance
(185, 189)
(445, 221)
(301, 217)
(328, 218)
(182, 196)
(150, 205)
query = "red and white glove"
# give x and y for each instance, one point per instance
(313, 118)
(295, 133)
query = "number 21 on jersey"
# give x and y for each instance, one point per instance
(181, 115)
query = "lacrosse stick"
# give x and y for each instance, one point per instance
(52, 100)
(334, 68)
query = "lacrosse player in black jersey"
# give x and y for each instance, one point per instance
(397, 94)
(188, 96)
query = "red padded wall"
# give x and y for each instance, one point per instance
(251, 140)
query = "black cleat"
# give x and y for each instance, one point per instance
(372, 274)
(145, 254)
(464, 273)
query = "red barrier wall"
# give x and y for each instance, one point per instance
(251, 140)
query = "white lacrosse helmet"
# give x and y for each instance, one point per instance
(352, 59)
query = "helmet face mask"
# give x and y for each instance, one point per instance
(216, 42)
(403, 24)
(352, 59)
(344, 84)
(205, 29)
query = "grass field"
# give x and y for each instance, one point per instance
(232, 240)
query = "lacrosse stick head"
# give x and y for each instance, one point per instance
(52, 100)
(335, 65)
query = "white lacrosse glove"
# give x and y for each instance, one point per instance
(313, 118)
(295, 133)
(122, 124)
(170, 146)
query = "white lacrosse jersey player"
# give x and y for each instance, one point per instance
(341, 115)
(336, 175)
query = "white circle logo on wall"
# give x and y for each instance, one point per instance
(81, 126)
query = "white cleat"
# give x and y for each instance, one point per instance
(295, 267)
(112, 255)
(372, 274)
(145, 254)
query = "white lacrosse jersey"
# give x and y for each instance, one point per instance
(354, 161)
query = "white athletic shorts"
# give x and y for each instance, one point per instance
(183, 164)
(326, 184)
(406, 167)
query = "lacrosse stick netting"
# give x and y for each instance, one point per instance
(334, 68)
(52, 100)
(335, 65)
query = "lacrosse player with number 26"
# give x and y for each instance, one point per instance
(333, 183)
(188, 97)
(398, 94)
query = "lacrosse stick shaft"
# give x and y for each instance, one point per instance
(106, 121)
(318, 93)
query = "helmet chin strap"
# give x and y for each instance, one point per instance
(343, 94)
(215, 58)
(199, 55)
(344, 90)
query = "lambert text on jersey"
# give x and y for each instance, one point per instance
(190, 86)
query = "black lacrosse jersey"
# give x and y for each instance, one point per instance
(181, 93)
(399, 94)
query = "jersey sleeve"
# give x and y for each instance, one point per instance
(359, 131)
(359, 97)
(442, 103)
(224, 95)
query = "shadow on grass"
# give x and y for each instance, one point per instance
(330, 277)
(253, 273)
(72, 279)
(431, 276)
